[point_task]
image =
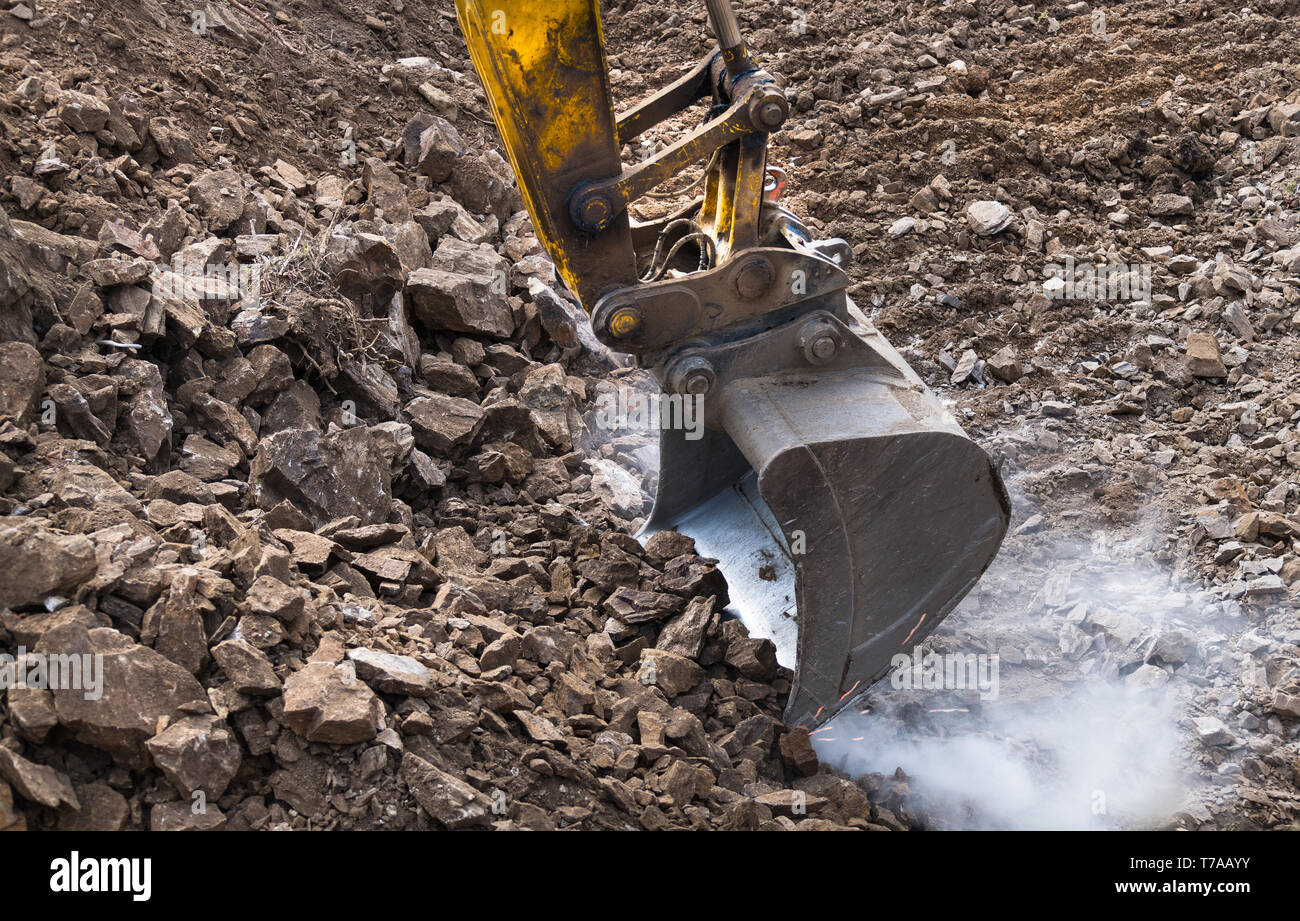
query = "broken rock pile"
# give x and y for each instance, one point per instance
(300, 459)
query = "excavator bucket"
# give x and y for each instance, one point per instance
(845, 506)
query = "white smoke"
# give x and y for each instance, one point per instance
(1071, 741)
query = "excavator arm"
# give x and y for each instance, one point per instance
(847, 509)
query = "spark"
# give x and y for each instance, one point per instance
(914, 629)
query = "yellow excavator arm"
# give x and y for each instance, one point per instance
(847, 509)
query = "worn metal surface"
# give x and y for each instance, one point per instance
(543, 69)
(867, 490)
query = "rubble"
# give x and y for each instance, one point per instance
(356, 552)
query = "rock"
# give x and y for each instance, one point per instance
(432, 146)
(547, 644)
(988, 217)
(563, 320)
(225, 423)
(82, 112)
(260, 630)
(629, 605)
(664, 545)
(207, 460)
(31, 709)
(545, 392)
(149, 422)
(22, 381)
(108, 273)
(364, 266)
(1287, 702)
(1005, 366)
(684, 635)
(10, 820)
(268, 595)
(38, 562)
(671, 673)
(1269, 584)
(1172, 647)
(174, 625)
(450, 301)
(502, 651)
(902, 227)
(87, 486)
(141, 689)
(290, 177)
(1238, 320)
(326, 703)
(115, 236)
(485, 184)
(1167, 204)
(753, 657)
(411, 244)
(182, 817)
(797, 752)
(296, 407)
(37, 782)
(1147, 678)
(385, 191)
(101, 809)
(220, 198)
(445, 376)
(323, 476)
(443, 424)
(247, 667)
(197, 753)
(1211, 731)
(965, 368)
(792, 802)
(1203, 356)
(616, 487)
(392, 674)
(448, 800)
(539, 728)
(1284, 118)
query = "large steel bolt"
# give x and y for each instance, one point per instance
(591, 211)
(754, 278)
(819, 341)
(692, 375)
(771, 115)
(823, 347)
(768, 111)
(624, 321)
